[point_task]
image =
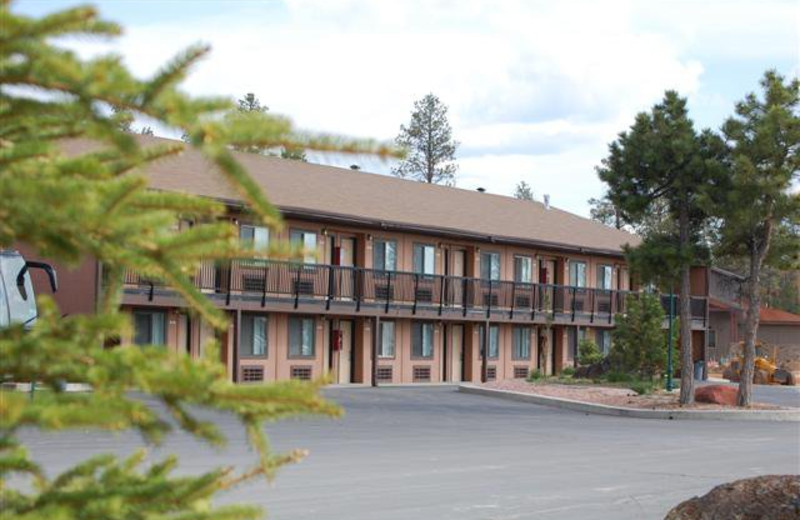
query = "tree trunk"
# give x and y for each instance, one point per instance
(757, 255)
(685, 313)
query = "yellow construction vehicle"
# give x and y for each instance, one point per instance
(766, 368)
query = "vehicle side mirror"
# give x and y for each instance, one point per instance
(47, 268)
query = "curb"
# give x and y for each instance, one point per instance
(602, 409)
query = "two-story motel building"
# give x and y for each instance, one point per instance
(407, 279)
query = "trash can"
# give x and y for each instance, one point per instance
(698, 370)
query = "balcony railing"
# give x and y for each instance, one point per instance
(356, 287)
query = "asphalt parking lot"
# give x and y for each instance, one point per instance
(403, 453)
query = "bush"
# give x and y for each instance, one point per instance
(642, 387)
(568, 372)
(619, 377)
(535, 375)
(588, 352)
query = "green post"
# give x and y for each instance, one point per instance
(669, 341)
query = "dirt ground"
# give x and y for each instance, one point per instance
(612, 396)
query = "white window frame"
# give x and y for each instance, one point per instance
(606, 283)
(384, 245)
(521, 336)
(428, 266)
(519, 260)
(308, 331)
(307, 239)
(577, 273)
(151, 314)
(388, 344)
(250, 351)
(426, 332)
(492, 267)
(494, 340)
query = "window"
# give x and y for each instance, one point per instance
(149, 328)
(254, 237)
(421, 340)
(522, 343)
(575, 335)
(301, 337)
(577, 274)
(490, 266)
(424, 259)
(253, 336)
(604, 276)
(604, 341)
(308, 241)
(523, 269)
(384, 255)
(712, 338)
(386, 346)
(494, 340)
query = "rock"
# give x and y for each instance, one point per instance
(774, 497)
(716, 394)
(794, 378)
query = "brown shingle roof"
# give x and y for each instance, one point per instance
(295, 186)
(769, 316)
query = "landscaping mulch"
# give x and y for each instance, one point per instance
(611, 396)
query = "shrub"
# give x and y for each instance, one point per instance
(588, 352)
(618, 377)
(568, 372)
(535, 375)
(642, 387)
(640, 345)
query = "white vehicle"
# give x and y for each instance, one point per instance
(17, 298)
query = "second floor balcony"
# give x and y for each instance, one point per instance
(342, 289)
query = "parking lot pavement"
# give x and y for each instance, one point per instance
(402, 453)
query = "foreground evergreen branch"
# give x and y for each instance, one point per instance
(96, 205)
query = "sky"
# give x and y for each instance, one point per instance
(536, 90)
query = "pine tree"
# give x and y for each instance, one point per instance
(250, 103)
(663, 160)
(523, 191)
(640, 345)
(603, 210)
(760, 217)
(96, 205)
(429, 144)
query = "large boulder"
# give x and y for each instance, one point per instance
(773, 497)
(716, 394)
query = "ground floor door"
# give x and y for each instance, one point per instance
(343, 356)
(456, 353)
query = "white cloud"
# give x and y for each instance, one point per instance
(536, 89)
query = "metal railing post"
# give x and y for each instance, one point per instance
(442, 282)
(416, 288)
(264, 292)
(489, 301)
(388, 290)
(331, 285)
(297, 288)
(574, 292)
(513, 299)
(464, 297)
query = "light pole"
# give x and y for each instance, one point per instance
(669, 340)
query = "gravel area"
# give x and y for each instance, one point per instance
(609, 395)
